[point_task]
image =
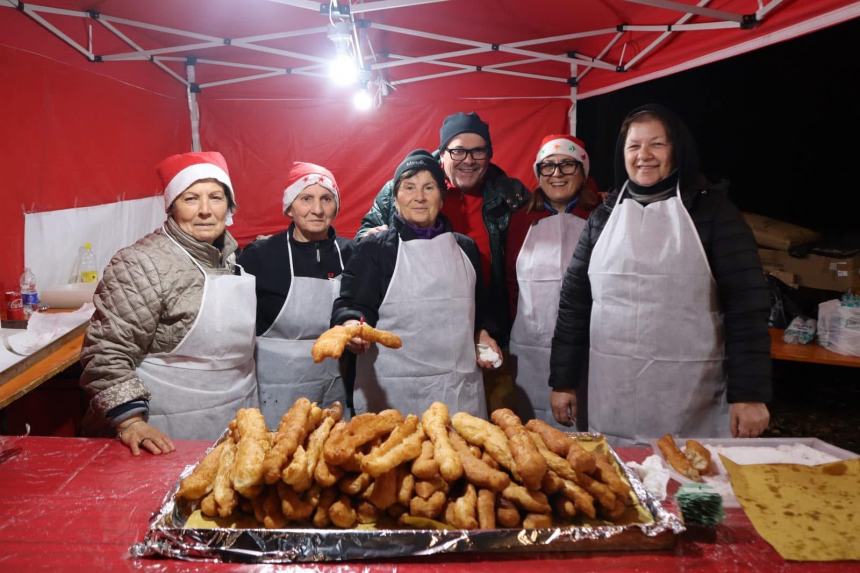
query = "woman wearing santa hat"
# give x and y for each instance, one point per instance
(664, 303)
(169, 352)
(298, 277)
(421, 281)
(541, 240)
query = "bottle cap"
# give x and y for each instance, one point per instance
(88, 246)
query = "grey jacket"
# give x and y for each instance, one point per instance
(146, 303)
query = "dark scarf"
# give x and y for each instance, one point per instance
(646, 194)
(427, 232)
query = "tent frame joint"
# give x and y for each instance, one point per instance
(191, 60)
(494, 47)
(227, 41)
(94, 14)
(572, 82)
(20, 6)
(749, 22)
(194, 88)
(96, 58)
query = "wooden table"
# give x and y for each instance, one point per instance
(41, 366)
(814, 353)
(75, 504)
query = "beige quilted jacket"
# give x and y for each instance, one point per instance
(146, 302)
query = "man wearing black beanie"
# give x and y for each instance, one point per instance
(479, 201)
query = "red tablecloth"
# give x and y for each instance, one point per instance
(70, 504)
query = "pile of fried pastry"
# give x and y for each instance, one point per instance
(439, 471)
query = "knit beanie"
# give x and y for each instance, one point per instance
(421, 160)
(303, 175)
(460, 122)
(562, 145)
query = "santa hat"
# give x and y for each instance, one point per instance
(179, 172)
(304, 175)
(559, 144)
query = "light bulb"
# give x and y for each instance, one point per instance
(343, 70)
(362, 100)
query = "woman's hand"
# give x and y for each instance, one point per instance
(136, 433)
(490, 342)
(748, 419)
(563, 404)
(356, 345)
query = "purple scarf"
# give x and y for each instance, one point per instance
(427, 232)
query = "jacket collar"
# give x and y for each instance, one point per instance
(204, 253)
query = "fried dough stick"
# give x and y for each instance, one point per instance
(530, 464)
(251, 450)
(563, 445)
(555, 462)
(478, 472)
(402, 445)
(200, 482)
(435, 421)
(357, 432)
(676, 459)
(607, 473)
(223, 493)
(425, 465)
(333, 341)
(490, 437)
(290, 435)
(300, 472)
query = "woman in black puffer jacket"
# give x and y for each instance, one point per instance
(664, 306)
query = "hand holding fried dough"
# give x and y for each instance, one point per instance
(333, 341)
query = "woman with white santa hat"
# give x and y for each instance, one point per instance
(169, 352)
(298, 277)
(540, 244)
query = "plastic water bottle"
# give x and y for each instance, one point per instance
(87, 268)
(29, 292)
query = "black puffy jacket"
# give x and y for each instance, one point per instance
(367, 275)
(741, 290)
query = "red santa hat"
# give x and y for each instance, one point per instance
(181, 171)
(559, 144)
(304, 175)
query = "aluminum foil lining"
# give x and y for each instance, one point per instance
(167, 537)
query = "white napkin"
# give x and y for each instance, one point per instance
(654, 475)
(487, 354)
(43, 328)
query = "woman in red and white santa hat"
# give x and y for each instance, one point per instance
(169, 352)
(298, 277)
(541, 239)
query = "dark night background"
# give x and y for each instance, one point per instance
(780, 123)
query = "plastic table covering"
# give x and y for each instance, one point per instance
(78, 504)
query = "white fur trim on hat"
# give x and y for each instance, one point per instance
(567, 146)
(186, 178)
(293, 190)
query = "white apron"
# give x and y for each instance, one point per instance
(285, 369)
(657, 347)
(430, 304)
(198, 386)
(541, 264)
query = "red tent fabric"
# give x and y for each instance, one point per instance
(80, 132)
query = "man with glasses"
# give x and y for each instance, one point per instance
(479, 201)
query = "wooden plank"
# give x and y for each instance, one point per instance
(812, 353)
(42, 365)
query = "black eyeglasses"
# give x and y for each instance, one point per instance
(566, 167)
(477, 153)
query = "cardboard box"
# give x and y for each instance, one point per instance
(775, 234)
(814, 271)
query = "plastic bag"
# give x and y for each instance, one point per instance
(801, 330)
(839, 327)
(783, 306)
